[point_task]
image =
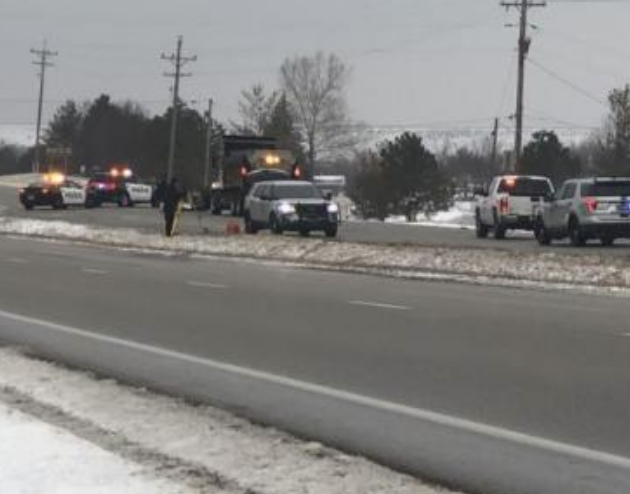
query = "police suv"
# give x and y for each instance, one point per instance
(55, 191)
(119, 186)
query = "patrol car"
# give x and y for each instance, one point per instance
(55, 191)
(119, 186)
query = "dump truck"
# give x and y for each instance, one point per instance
(243, 161)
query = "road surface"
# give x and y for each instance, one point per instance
(549, 365)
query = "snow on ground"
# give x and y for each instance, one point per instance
(586, 272)
(459, 216)
(38, 457)
(135, 441)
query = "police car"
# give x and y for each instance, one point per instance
(119, 186)
(55, 191)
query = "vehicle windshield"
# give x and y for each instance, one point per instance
(525, 187)
(607, 189)
(306, 191)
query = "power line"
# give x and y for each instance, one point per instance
(568, 83)
(178, 60)
(44, 54)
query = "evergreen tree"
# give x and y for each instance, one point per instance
(546, 156)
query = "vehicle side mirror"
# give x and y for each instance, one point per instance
(480, 191)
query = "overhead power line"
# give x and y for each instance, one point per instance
(568, 83)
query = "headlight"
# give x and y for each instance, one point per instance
(333, 208)
(286, 208)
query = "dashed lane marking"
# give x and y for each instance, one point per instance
(94, 271)
(16, 260)
(378, 305)
(204, 284)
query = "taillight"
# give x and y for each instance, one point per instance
(590, 204)
(504, 205)
(21, 191)
(243, 171)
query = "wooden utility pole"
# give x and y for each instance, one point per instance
(43, 55)
(495, 141)
(524, 43)
(208, 153)
(178, 61)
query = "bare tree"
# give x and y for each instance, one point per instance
(315, 87)
(256, 108)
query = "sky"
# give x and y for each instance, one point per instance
(414, 63)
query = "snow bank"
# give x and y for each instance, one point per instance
(460, 216)
(37, 457)
(551, 269)
(198, 445)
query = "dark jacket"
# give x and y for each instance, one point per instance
(173, 194)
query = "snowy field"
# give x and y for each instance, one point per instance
(67, 432)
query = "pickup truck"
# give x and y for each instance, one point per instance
(510, 202)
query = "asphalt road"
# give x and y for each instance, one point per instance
(144, 218)
(547, 364)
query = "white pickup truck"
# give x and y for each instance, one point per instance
(510, 203)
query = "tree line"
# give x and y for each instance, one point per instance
(308, 114)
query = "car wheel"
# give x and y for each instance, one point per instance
(250, 227)
(576, 236)
(331, 231)
(274, 225)
(607, 240)
(541, 233)
(481, 230)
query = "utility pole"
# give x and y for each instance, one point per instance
(524, 43)
(495, 141)
(178, 61)
(44, 54)
(208, 153)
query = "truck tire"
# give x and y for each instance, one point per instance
(481, 230)
(541, 233)
(499, 227)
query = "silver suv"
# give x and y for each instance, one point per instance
(289, 205)
(587, 208)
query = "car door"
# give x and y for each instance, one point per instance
(257, 204)
(561, 207)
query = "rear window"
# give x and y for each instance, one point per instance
(306, 191)
(525, 187)
(607, 189)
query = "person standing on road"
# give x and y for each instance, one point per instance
(173, 194)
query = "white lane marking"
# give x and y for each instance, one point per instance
(378, 305)
(94, 271)
(204, 284)
(463, 425)
(16, 260)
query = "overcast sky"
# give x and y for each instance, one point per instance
(438, 63)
